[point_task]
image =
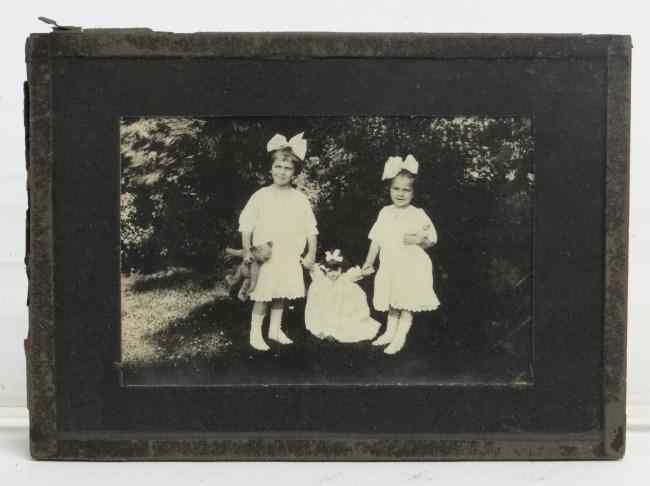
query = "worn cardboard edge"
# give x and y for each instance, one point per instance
(616, 249)
(323, 446)
(260, 449)
(39, 345)
(129, 43)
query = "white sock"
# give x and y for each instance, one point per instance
(391, 326)
(256, 340)
(275, 328)
(403, 328)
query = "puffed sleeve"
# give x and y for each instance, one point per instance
(428, 227)
(249, 216)
(377, 231)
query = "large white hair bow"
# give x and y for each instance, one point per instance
(333, 256)
(394, 165)
(297, 144)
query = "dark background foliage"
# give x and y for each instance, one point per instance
(185, 181)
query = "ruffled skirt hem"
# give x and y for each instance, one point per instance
(427, 308)
(268, 298)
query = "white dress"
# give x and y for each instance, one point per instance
(404, 279)
(339, 309)
(285, 218)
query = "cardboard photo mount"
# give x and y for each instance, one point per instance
(576, 89)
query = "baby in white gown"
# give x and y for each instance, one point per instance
(337, 308)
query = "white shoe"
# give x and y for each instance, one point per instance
(281, 337)
(403, 328)
(259, 345)
(395, 346)
(256, 340)
(389, 333)
(383, 339)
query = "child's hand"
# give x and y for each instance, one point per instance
(248, 256)
(367, 270)
(308, 261)
(412, 238)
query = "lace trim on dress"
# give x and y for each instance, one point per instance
(428, 308)
(267, 298)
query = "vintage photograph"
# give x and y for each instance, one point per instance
(378, 250)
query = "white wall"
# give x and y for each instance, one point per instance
(621, 17)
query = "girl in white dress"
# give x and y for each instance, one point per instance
(280, 214)
(404, 280)
(337, 308)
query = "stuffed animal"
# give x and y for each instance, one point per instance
(246, 273)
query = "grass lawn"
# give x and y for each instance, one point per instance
(153, 306)
(182, 328)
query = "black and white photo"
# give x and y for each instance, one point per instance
(326, 250)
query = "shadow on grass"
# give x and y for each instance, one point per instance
(209, 344)
(223, 319)
(210, 347)
(174, 278)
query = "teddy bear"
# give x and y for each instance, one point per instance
(246, 273)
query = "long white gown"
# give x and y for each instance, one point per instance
(339, 309)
